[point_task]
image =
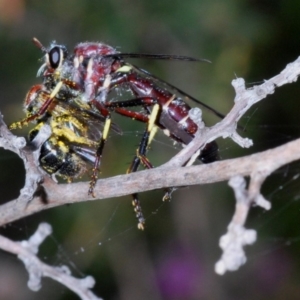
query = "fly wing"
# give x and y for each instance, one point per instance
(174, 90)
(85, 153)
(157, 56)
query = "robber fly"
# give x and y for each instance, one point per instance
(93, 71)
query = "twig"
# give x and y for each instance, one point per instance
(26, 252)
(237, 235)
(147, 180)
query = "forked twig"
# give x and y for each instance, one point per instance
(27, 253)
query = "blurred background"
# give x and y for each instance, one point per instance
(174, 257)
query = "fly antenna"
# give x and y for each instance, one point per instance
(39, 45)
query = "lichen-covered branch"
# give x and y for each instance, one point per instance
(237, 235)
(156, 178)
(27, 251)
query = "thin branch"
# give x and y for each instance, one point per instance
(244, 99)
(267, 161)
(26, 252)
(237, 235)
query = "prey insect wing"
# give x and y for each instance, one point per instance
(95, 117)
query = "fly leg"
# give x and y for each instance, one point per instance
(30, 96)
(99, 102)
(99, 151)
(139, 158)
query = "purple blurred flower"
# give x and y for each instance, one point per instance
(179, 275)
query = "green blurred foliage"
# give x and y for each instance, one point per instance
(250, 39)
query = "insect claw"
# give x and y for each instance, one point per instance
(138, 212)
(13, 126)
(166, 197)
(91, 192)
(16, 125)
(92, 186)
(141, 226)
(168, 194)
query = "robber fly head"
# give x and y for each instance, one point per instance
(54, 55)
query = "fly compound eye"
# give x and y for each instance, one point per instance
(56, 57)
